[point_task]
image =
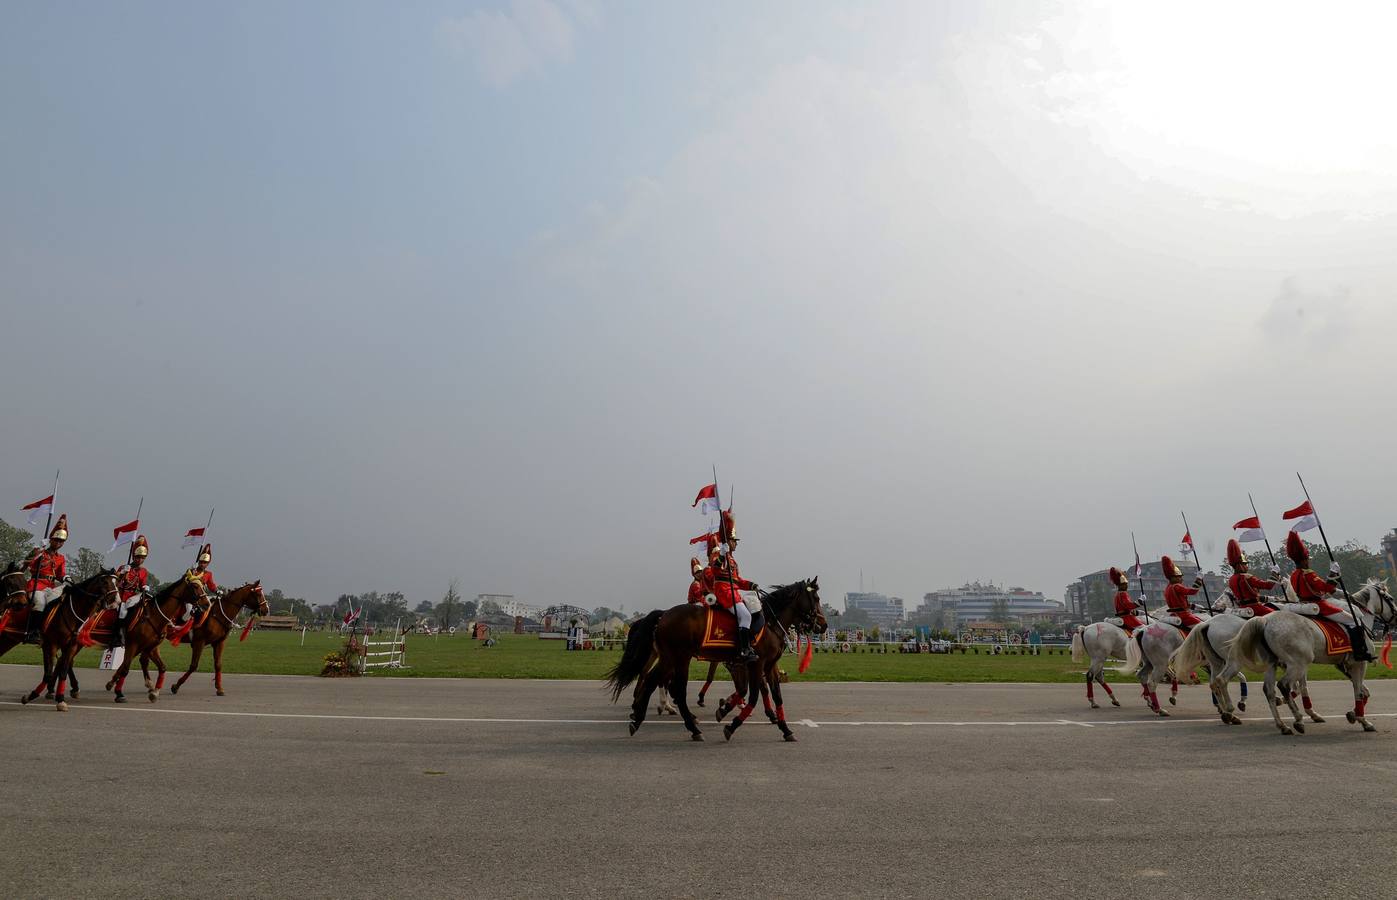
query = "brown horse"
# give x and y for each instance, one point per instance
(674, 637)
(14, 602)
(157, 620)
(215, 626)
(59, 632)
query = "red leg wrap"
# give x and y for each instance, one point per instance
(1109, 692)
(746, 711)
(160, 681)
(1090, 693)
(781, 714)
(1359, 706)
(1306, 701)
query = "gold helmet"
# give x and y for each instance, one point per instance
(140, 550)
(60, 528)
(206, 553)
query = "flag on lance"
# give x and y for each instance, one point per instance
(707, 499)
(1186, 545)
(38, 508)
(702, 539)
(1139, 569)
(1249, 530)
(124, 534)
(352, 616)
(1304, 514)
(193, 537)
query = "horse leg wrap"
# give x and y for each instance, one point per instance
(735, 700)
(781, 714)
(1109, 692)
(766, 703)
(1244, 690)
(1090, 692)
(1306, 701)
(63, 687)
(746, 711)
(1359, 706)
(160, 681)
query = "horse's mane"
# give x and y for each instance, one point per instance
(782, 595)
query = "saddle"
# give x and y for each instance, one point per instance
(720, 630)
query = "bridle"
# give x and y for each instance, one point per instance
(254, 593)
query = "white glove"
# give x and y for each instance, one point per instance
(1275, 573)
(1334, 569)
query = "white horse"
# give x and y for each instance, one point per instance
(1147, 658)
(1207, 645)
(1291, 641)
(1098, 641)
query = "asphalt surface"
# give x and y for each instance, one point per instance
(383, 787)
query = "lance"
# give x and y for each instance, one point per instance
(48, 523)
(1269, 551)
(1194, 550)
(205, 540)
(1140, 576)
(1357, 621)
(131, 550)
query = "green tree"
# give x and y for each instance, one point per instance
(84, 564)
(15, 543)
(1099, 601)
(424, 608)
(448, 611)
(853, 617)
(999, 611)
(1357, 560)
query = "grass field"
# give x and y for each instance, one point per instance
(281, 653)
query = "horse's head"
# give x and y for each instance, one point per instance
(12, 582)
(1378, 600)
(250, 597)
(100, 589)
(798, 604)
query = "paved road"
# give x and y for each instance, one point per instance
(303, 787)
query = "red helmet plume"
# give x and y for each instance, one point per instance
(1170, 570)
(1118, 578)
(727, 527)
(1235, 556)
(1295, 549)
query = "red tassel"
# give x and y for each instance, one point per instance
(248, 627)
(1386, 649)
(809, 652)
(85, 632)
(4, 620)
(179, 633)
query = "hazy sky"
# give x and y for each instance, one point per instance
(483, 290)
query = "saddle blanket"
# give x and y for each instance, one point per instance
(1336, 637)
(720, 630)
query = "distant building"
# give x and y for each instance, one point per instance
(883, 611)
(509, 605)
(1389, 553)
(976, 602)
(1078, 593)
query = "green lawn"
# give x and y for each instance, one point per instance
(276, 652)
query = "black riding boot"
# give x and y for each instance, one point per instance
(31, 626)
(744, 645)
(1359, 638)
(118, 638)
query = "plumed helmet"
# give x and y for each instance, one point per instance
(711, 542)
(695, 566)
(1170, 570)
(1118, 578)
(1295, 549)
(727, 527)
(140, 549)
(60, 528)
(206, 553)
(1235, 557)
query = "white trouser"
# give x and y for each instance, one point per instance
(744, 615)
(43, 598)
(124, 605)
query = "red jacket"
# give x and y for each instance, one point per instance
(205, 578)
(1312, 588)
(697, 591)
(1176, 597)
(724, 580)
(130, 581)
(46, 568)
(1124, 604)
(1245, 587)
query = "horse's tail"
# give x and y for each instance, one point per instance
(1249, 647)
(637, 653)
(1134, 659)
(1191, 654)
(1079, 649)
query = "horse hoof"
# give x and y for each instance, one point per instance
(1316, 717)
(1236, 720)
(24, 699)
(1351, 717)
(174, 689)
(1094, 704)
(1115, 702)
(696, 737)
(74, 696)
(61, 706)
(1163, 714)
(700, 700)
(1299, 727)
(788, 738)
(1369, 726)
(1242, 705)
(119, 698)
(151, 695)
(1173, 701)
(727, 732)
(219, 693)
(634, 727)
(771, 717)
(1286, 731)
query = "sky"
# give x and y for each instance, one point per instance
(484, 291)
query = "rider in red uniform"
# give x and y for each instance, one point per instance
(726, 583)
(200, 573)
(1245, 587)
(47, 570)
(1311, 589)
(1125, 604)
(1176, 594)
(698, 590)
(131, 585)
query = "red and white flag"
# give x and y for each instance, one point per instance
(38, 508)
(1139, 570)
(701, 538)
(1305, 514)
(193, 537)
(1186, 545)
(124, 534)
(353, 614)
(707, 499)
(1249, 530)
